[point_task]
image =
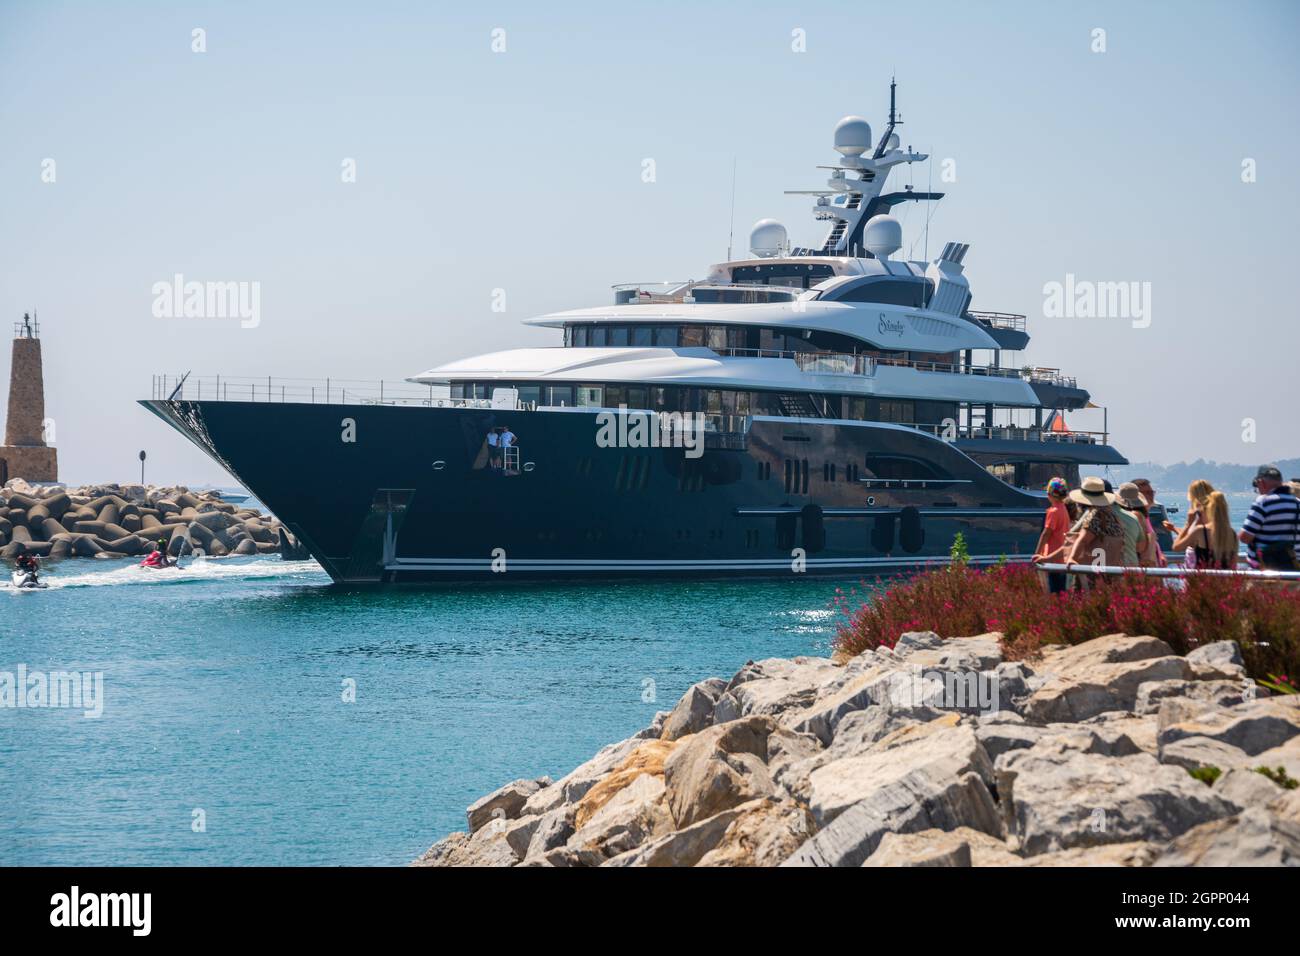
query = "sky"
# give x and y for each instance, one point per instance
(1159, 152)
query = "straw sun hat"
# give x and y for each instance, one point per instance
(1092, 492)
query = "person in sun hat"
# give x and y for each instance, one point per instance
(1055, 524)
(1145, 547)
(1271, 532)
(1101, 534)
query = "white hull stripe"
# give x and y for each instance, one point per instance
(755, 564)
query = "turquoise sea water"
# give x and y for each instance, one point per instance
(224, 685)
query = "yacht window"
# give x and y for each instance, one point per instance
(530, 394)
(597, 336)
(480, 390)
(912, 293)
(458, 390)
(665, 336)
(580, 336)
(591, 396)
(717, 337)
(692, 336)
(559, 395)
(855, 408)
(713, 401)
(618, 336)
(909, 469)
(898, 412)
(641, 336)
(636, 397)
(614, 396)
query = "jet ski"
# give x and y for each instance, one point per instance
(25, 580)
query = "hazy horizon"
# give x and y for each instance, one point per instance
(522, 170)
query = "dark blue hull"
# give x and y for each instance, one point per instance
(408, 500)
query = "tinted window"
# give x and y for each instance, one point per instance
(911, 293)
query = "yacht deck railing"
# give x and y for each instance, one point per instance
(846, 363)
(306, 391)
(1016, 433)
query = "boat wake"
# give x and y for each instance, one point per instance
(127, 573)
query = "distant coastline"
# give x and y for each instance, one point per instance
(1223, 475)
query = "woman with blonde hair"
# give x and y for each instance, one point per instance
(1209, 537)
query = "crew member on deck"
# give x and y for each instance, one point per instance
(506, 439)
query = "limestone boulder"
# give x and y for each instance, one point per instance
(1100, 675)
(1223, 656)
(504, 803)
(686, 846)
(552, 831)
(1252, 727)
(647, 758)
(487, 847)
(889, 684)
(921, 759)
(775, 687)
(1216, 693)
(694, 711)
(1056, 797)
(763, 833)
(718, 768)
(908, 805)
(1255, 837)
(939, 848)
(635, 814)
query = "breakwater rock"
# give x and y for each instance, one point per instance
(114, 521)
(1114, 752)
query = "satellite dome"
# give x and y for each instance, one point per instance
(767, 238)
(893, 141)
(883, 236)
(852, 136)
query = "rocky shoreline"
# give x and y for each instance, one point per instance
(120, 521)
(1113, 752)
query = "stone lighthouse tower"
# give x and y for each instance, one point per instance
(24, 453)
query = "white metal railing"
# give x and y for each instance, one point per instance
(1017, 433)
(329, 391)
(1171, 572)
(1000, 320)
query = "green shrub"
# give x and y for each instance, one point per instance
(1207, 775)
(1279, 776)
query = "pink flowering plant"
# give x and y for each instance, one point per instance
(959, 600)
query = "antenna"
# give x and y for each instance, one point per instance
(893, 121)
(732, 234)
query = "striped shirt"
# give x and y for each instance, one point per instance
(1274, 520)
